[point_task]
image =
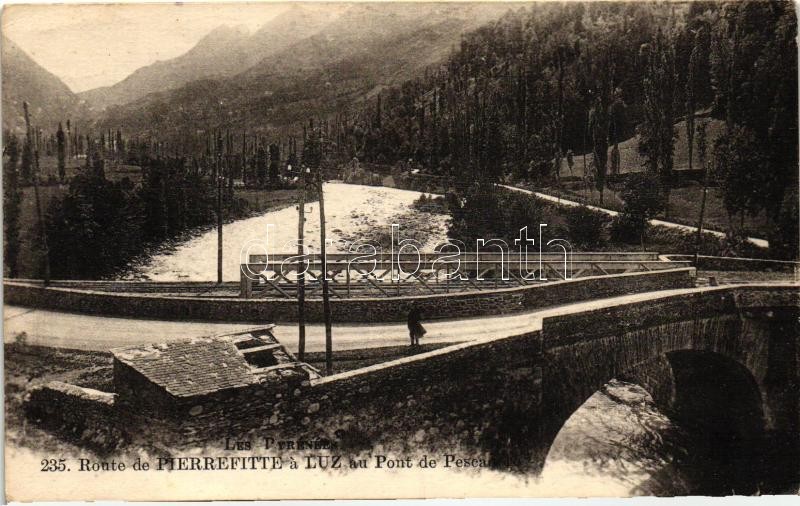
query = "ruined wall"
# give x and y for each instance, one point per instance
(368, 310)
(80, 414)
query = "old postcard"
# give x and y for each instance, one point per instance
(400, 250)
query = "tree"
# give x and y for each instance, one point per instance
(26, 168)
(119, 146)
(741, 170)
(657, 130)
(697, 79)
(312, 149)
(598, 127)
(61, 153)
(94, 228)
(262, 166)
(615, 160)
(642, 202)
(754, 75)
(12, 201)
(274, 163)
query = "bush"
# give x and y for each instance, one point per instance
(430, 204)
(784, 235)
(585, 227)
(485, 212)
(627, 229)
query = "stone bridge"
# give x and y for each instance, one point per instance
(726, 359)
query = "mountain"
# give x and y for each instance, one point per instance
(223, 52)
(49, 99)
(364, 49)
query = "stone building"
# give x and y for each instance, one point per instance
(189, 377)
(179, 392)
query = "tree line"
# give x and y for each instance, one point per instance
(103, 221)
(553, 82)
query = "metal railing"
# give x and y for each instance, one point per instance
(386, 275)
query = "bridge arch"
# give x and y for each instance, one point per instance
(718, 446)
(706, 359)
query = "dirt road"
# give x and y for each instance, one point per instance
(69, 330)
(761, 243)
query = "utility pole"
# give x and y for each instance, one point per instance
(34, 146)
(702, 213)
(326, 302)
(219, 209)
(301, 264)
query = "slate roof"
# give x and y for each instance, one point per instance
(190, 367)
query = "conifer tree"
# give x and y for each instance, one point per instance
(12, 200)
(61, 153)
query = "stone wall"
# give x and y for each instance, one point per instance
(475, 397)
(716, 263)
(367, 310)
(82, 415)
(137, 393)
(468, 398)
(583, 351)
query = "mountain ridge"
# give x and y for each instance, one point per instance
(50, 100)
(223, 52)
(365, 47)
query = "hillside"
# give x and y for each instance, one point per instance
(223, 52)
(49, 99)
(631, 161)
(364, 49)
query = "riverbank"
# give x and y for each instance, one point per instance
(353, 213)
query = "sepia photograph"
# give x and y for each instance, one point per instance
(400, 250)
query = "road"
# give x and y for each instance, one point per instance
(761, 243)
(70, 330)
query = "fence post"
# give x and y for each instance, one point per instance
(245, 284)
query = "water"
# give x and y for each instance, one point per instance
(352, 212)
(619, 443)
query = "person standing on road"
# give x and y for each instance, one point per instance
(415, 328)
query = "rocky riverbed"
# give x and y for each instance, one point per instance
(353, 213)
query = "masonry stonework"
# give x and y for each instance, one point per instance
(366, 310)
(500, 399)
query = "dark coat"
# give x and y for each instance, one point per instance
(414, 323)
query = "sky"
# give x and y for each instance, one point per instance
(88, 46)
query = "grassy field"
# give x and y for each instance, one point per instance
(631, 161)
(684, 207)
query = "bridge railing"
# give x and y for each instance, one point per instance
(384, 274)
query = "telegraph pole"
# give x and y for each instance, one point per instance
(301, 263)
(326, 302)
(219, 211)
(702, 213)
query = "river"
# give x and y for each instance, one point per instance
(352, 212)
(619, 443)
